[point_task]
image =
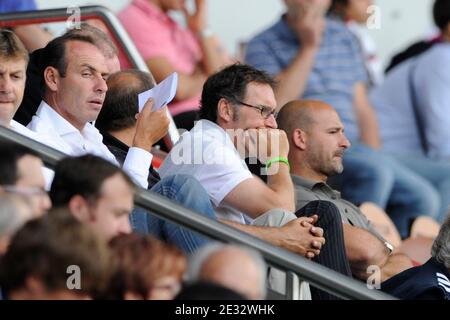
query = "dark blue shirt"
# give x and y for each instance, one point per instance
(429, 281)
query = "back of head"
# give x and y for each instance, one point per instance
(11, 47)
(441, 246)
(121, 102)
(82, 176)
(10, 154)
(231, 84)
(441, 13)
(238, 268)
(47, 251)
(141, 263)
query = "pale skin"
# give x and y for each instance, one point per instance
(214, 55)
(299, 235)
(316, 153)
(306, 18)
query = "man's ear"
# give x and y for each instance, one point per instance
(299, 138)
(79, 207)
(225, 111)
(51, 77)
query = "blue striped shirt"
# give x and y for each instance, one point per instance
(337, 68)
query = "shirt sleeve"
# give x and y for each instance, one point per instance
(356, 55)
(137, 165)
(260, 54)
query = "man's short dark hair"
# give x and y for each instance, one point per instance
(231, 84)
(10, 154)
(82, 176)
(44, 248)
(441, 13)
(54, 55)
(102, 39)
(121, 101)
(11, 47)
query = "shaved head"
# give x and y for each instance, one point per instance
(316, 138)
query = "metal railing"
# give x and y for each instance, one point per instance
(317, 275)
(119, 36)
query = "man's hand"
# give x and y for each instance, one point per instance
(309, 23)
(301, 237)
(150, 126)
(196, 22)
(261, 143)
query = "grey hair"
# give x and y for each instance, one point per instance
(198, 259)
(441, 246)
(12, 215)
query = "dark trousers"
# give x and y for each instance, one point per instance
(332, 254)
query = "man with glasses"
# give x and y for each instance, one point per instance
(21, 173)
(237, 114)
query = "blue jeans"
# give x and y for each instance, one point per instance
(434, 171)
(372, 176)
(188, 192)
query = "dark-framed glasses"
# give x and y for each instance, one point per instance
(266, 111)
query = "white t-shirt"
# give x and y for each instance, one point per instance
(208, 154)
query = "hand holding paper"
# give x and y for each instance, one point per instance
(162, 94)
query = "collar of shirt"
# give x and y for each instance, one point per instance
(316, 186)
(153, 11)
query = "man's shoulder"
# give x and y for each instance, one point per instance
(269, 34)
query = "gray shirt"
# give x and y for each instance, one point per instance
(307, 191)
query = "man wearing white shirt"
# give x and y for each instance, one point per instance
(73, 84)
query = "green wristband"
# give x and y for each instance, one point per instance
(278, 159)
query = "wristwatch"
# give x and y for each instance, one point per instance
(389, 246)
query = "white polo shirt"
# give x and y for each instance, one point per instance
(207, 153)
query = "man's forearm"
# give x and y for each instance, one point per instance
(293, 79)
(366, 117)
(263, 233)
(214, 55)
(281, 183)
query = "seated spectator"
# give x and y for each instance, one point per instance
(207, 291)
(14, 212)
(429, 281)
(32, 35)
(32, 95)
(195, 53)
(236, 103)
(355, 14)
(237, 268)
(412, 109)
(96, 192)
(55, 258)
(314, 57)
(21, 173)
(146, 269)
(317, 144)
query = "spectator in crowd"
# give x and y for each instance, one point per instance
(146, 269)
(315, 57)
(412, 109)
(195, 53)
(14, 212)
(237, 268)
(52, 258)
(236, 103)
(317, 144)
(32, 95)
(21, 173)
(429, 281)
(117, 124)
(32, 35)
(96, 192)
(356, 16)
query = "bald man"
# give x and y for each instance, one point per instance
(237, 268)
(317, 146)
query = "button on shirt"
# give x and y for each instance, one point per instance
(208, 154)
(71, 141)
(338, 65)
(307, 191)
